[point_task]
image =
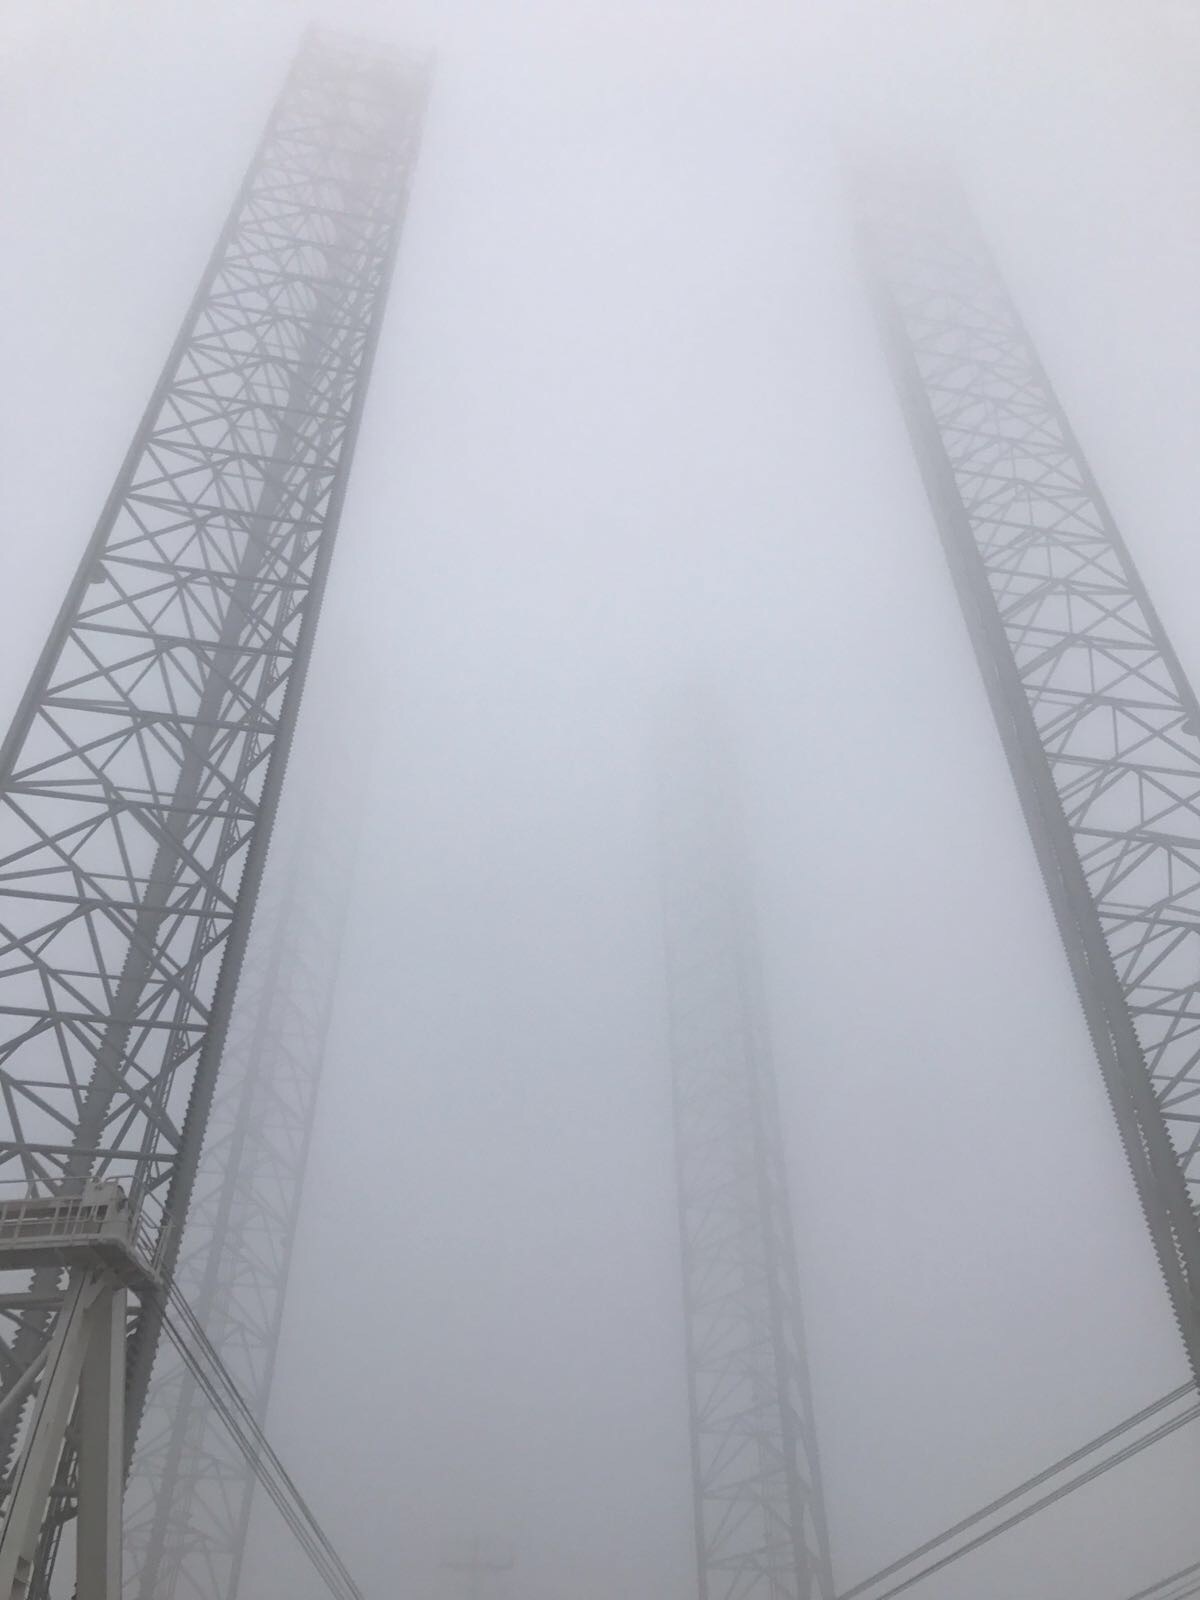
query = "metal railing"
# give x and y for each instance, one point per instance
(32, 1215)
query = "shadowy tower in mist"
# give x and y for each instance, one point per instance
(1100, 725)
(190, 1489)
(140, 778)
(759, 1515)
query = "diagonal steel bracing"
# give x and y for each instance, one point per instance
(188, 1499)
(139, 780)
(1100, 724)
(759, 1516)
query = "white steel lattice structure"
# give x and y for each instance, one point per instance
(1100, 724)
(759, 1516)
(140, 777)
(188, 1499)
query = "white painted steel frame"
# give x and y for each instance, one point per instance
(140, 777)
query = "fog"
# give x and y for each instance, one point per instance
(630, 428)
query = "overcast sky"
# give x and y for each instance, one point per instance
(629, 427)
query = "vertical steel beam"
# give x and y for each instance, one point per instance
(139, 780)
(101, 1450)
(759, 1515)
(1099, 722)
(85, 1379)
(35, 1466)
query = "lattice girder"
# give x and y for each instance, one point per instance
(760, 1526)
(1100, 722)
(139, 779)
(189, 1492)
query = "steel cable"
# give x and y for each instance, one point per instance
(213, 1377)
(1165, 1588)
(1115, 1459)
(255, 1429)
(295, 1521)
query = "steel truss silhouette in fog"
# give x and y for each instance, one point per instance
(140, 778)
(189, 1495)
(759, 1515)
(1099, 722)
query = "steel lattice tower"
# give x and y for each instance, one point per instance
(189, 1495)
(759, 1517)
(1099, 722)
(139, 781)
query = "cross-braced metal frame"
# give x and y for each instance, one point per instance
(1100, 724)
(188, 1499)
(759, 1516)
(140, 777)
